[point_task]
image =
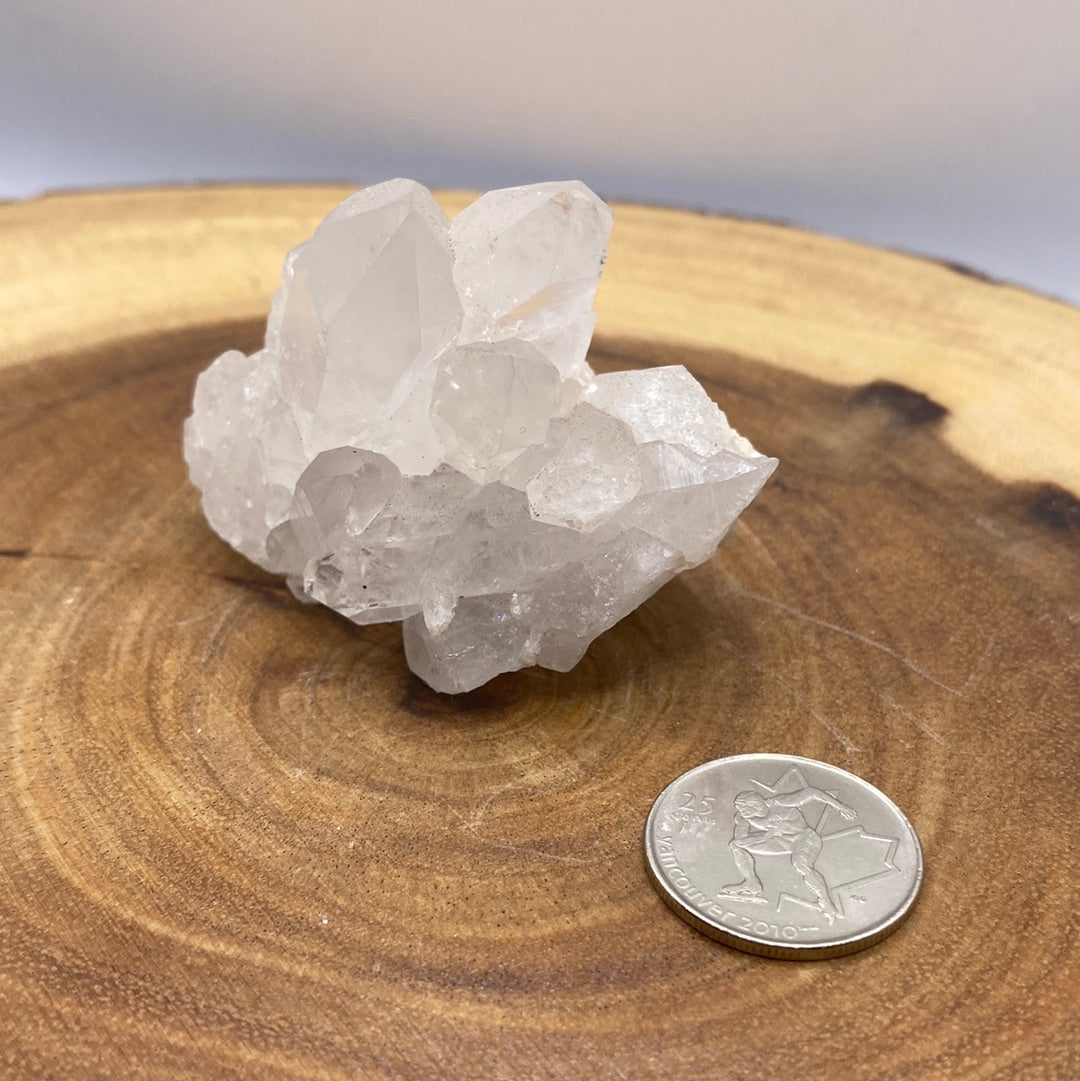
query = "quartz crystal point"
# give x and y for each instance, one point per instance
(422, 439)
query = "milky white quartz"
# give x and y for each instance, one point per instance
(421, 437)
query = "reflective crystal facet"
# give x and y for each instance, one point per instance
(422, 439)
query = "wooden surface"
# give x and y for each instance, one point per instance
(239, 840)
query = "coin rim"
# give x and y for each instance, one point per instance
(786, 951)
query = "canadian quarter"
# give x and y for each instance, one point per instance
(783, 856)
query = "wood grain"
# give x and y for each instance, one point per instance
(239, 840)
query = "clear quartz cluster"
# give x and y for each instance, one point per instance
(422, 439)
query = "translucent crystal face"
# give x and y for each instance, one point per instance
(422, 439)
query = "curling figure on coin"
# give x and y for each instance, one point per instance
(770, 825)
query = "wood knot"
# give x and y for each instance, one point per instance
(905, 406)
(1056, 507)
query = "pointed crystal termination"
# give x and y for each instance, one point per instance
(422, 439)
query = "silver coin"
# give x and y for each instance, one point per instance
(783, 856)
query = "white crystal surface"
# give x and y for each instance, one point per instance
(422, 439)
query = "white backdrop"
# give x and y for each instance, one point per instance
(951, 128)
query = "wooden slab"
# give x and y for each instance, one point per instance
(239, 840)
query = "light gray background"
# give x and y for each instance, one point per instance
(947, 128)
